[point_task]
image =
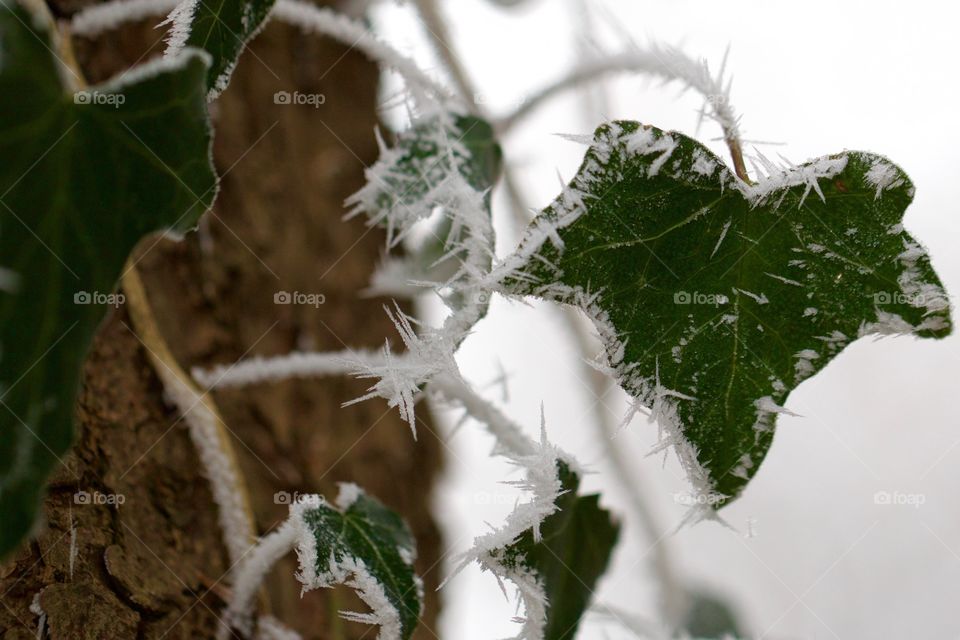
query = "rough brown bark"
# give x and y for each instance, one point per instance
(153, 567)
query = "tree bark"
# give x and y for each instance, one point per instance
(154, 566)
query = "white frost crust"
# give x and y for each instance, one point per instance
(440, 178)
(180, 21)
(543, 484)
(803, 367)
(269, 628)
(883, 176)
(294, 533)
(767, 410)
(780, 179)
(351, 572)
(348, 494)
(917, 292)
(153, 68)
(430, 351)
(250, 572)
(220, 469)
(296, 364)
(95, 19)
(38, 611)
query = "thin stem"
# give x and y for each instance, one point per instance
(296, 364)
(250, 574)
(202, 417)
(439, 35)
(661, 61)
(509, 434)
(354, 34)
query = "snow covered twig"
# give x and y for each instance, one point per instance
(252, 570)
(665, 62)
(204, 423)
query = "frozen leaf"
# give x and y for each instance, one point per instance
(715, 298)
(362, 544)
(222, 28)
(559, 566)
(82, 178)
(428, 166)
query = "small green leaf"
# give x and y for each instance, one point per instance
(573, 552)
(82, 178)
(407, 182)
(716, 298)
(222, 28)
(364, 545)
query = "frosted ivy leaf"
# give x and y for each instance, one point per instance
(360, 543)
(715, 298)
(556, 565)
(222, 29)
(429, 166)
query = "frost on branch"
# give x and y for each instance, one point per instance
(445, 163)
(360, 543)
(715, 298)
(400, 378)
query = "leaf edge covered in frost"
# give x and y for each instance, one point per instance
(526, 272)
(352, 570)
(183, 21)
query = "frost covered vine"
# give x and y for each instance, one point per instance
(435, 180)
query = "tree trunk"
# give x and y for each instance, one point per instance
(154, 566)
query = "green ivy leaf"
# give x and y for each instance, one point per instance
(405, 185)
(573, 552)
(222, 28)
(716, 298)
(82, 178)
(361, 543)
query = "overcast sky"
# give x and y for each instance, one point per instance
(813, 555)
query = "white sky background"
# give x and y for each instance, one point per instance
(825, 560)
